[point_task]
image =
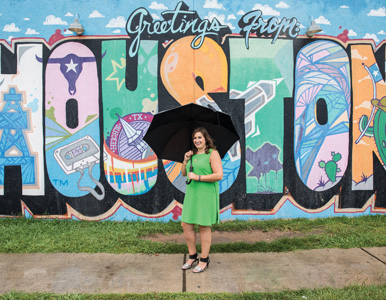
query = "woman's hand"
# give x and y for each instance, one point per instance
(193, 176)
(187, 156)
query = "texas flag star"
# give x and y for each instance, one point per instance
(71, 66)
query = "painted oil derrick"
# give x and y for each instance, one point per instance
(13, 146)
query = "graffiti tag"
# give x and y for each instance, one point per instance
(176, 21)
(252, 22)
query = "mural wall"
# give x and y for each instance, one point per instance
(310, 111)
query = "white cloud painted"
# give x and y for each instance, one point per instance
(355, 54)
(344, 6)
(213, 4)
(371, 36)
(231, 17)
(11, 28)
(155, 17)
(380, 12)
(322, 20)
(96, 14)
(52, 20)
(26, 19)
(31, 31)
(365, 104)
(381, 32)
(157, 6)
(10, 38)
(220, 18)
(282, 5)
(117, 22)
(241, 13)
(117, 31)
(352, 33)
(266, 10)
(68, 14)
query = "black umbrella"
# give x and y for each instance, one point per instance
(170, 132)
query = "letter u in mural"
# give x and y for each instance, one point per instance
(131, 166)
(72, 121)
(322, 114)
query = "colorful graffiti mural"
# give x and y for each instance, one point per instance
(310, 112)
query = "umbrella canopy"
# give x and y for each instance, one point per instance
(170, 132)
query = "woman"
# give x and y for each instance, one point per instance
(201, 202)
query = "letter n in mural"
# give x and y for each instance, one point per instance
(369, 117)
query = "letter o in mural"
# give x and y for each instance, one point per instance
(72, 121)
(321, 142)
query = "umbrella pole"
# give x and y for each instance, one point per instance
(188, 181)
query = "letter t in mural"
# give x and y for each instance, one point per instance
(263, 85)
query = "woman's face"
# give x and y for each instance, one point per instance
(199, 141)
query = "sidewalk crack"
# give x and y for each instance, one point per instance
(184, 276)
(373, 256)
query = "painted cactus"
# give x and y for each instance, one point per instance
(331, 167)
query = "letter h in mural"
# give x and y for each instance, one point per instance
(14, 148)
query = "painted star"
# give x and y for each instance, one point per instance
(375, 73)
(71, 66)
(119, 73)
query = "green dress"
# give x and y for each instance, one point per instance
(202, 199)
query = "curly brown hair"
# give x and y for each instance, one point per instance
(209, 143)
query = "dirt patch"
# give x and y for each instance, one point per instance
(221, 237)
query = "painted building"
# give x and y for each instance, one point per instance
(310, 110)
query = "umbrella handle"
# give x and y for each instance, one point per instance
(188, 181)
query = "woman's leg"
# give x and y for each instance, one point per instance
(206, 241)
(190, 237)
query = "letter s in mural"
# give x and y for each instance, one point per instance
(190, 75)
(72, 121)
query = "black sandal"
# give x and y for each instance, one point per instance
(198, 269)
(186, 266)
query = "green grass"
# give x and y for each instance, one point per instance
(348, 293)
(50, 236)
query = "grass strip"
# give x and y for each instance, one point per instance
(356, 292)
(52, 236)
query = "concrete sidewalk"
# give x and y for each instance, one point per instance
(234, 273)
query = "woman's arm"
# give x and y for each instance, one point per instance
(183, 169)
(215, 163)
(187, 156)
